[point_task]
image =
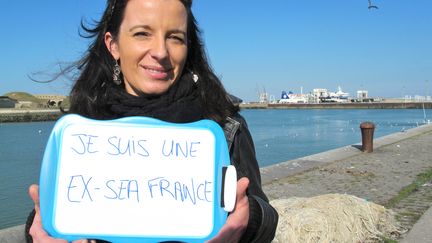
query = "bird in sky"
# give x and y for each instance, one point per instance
(371, 5)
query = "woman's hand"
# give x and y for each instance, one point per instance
(238, 220)
(38, 234)
(231, 232)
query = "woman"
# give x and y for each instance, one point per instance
(147, 59)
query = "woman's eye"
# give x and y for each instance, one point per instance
(141, 34)
(179, 39)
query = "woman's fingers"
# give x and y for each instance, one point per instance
(237, 221)
(242, 186)
(34, 195)
(36, 230)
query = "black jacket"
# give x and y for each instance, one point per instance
(263, 218)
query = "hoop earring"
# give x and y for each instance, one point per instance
(116, 74)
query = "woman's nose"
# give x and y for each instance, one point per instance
(159, 49)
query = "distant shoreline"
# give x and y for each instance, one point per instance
(351, 105)
(29, 115)
(36, 115)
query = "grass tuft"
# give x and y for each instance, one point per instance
(406, 191)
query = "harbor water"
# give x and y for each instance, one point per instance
(279, 135)
(282, 135)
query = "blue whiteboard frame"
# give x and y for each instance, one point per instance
(49, 174)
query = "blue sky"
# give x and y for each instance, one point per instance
(253, 45)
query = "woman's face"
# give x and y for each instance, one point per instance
(151, 45)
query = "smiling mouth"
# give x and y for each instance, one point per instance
(152, 70)
(157, 72)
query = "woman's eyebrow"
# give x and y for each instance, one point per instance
(177, 31)
(144, 26)
(148, 27)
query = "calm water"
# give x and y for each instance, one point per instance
(282, 135)
(279, 135)
(21, 150)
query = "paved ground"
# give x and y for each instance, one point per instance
(378, 176)
(421, 232)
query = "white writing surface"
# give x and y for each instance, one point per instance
(134, 180)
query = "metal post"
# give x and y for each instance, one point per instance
(367, 131)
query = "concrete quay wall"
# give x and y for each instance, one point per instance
(29, 115)
(13, 235)
(275, 172)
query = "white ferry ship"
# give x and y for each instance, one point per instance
(316, 96)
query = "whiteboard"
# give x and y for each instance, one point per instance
(133, 178)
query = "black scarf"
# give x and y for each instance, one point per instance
(180, 103)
